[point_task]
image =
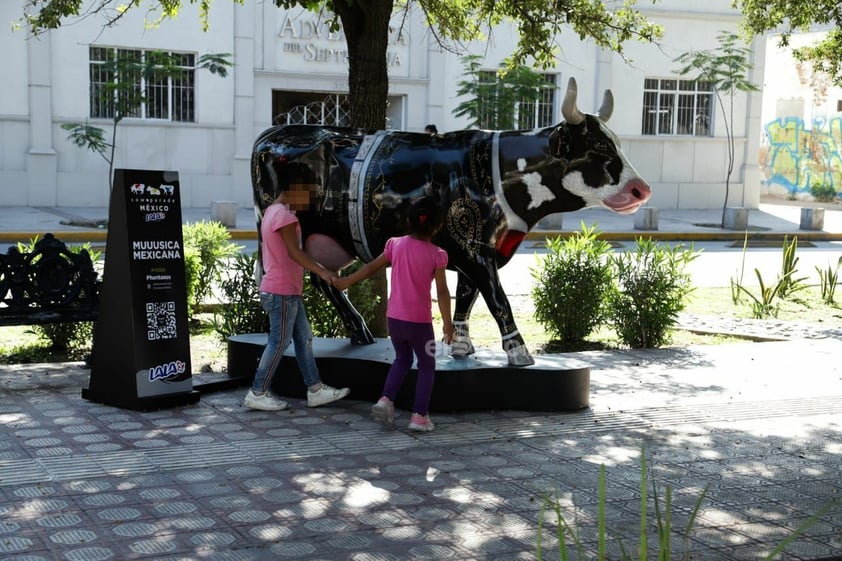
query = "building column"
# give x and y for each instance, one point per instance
(41, 160)
(244, 118)
(752, 175)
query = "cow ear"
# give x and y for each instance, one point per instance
(554, 142)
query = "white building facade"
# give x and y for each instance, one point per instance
(288, 67)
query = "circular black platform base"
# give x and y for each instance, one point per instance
(484, 381)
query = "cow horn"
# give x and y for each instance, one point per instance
(569, 110)
(607, 106)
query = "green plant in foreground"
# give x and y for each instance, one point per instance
(652, 286)
(763, 304)
(787, 282)
(570, 285)
(568, 535)
(242, 312)
(828, 280)
(736, 282)
(211, 241)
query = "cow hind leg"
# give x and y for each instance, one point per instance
(466, 295)
(352, 320)
(329, 253)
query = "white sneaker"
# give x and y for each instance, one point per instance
(264, 402)
(325, 394)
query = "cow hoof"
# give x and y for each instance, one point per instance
(362, 339)
(519, 356)
(461, 349)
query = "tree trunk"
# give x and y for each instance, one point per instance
(366, 27)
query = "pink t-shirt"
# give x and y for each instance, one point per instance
(283, 275)
(414, 263)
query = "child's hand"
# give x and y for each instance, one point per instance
(449, 332)
(328, 276)
(341, 283)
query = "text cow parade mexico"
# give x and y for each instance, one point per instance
(491, 187)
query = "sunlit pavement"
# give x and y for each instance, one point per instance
(758, 423)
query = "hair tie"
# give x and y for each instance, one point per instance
(422, 218)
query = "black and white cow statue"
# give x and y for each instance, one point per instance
(492, 187)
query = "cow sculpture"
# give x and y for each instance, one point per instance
(492, 187)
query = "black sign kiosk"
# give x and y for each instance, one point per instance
(141, 350)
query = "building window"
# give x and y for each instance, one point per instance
(500, 109)
(310, 108)
(127, 81)
(679, 107)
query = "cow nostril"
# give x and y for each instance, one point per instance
(637, 194)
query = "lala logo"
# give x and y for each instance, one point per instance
(166, 371)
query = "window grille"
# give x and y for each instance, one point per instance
(677, 107)
(495, 112)
(167, 95)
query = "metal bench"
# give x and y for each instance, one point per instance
(50, 284)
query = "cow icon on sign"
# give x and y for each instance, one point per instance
(138, 188)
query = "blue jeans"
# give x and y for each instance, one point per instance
(287, 323)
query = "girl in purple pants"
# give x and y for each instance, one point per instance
(415, 263)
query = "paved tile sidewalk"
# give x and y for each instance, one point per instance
(758, 422)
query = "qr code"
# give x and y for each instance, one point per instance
(160, 321)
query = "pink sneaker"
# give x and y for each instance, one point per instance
(384, 411)
(421, 423)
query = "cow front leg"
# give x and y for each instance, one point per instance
(466, 295)
(488, 282)
(352, 319)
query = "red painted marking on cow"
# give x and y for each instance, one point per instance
(509, 241)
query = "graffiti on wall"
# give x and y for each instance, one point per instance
(796, 157)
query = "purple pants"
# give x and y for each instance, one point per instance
(407, 338)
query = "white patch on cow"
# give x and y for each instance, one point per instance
(538, 192)
(521, 164)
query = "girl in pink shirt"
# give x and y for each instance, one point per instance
(415, 263)
(281, 289)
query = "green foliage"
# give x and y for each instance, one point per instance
(539, 23)
(823, 193)
(786, 17)
(570, 286)
(828, 280)
(735, 282)
(240, 311)
(787, 281)
(651, 289)
(726, 69)
(764, 303)
(211, 242)
(569, 534)
(87, 136)
(491, 104)
(323, 317)
(192, 265)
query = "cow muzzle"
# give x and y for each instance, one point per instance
(631, 197)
